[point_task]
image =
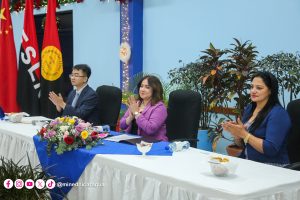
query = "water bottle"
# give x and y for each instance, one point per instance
(104, 128)
(179, 146)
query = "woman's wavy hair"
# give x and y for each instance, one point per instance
(157, 89)
(271, 82)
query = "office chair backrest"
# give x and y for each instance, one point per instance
(184, 109)
(293, 108)
(110, 99)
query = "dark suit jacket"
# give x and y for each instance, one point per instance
(274, 131)
(86, 107)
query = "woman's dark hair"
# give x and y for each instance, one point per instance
(157, 90)
(272, 83)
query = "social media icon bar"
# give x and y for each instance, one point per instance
(40, 184)
(19, 183)
(50, 184)
(29, 183)
(8, 183)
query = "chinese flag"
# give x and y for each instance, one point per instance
(52, 65)
(29, 66)
(8, 61)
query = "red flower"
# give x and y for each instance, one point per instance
(94, 135)
(42, 131)
(69, 140)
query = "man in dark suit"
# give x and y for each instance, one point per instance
(82, 101)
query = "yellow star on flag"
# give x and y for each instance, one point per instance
(2, 14)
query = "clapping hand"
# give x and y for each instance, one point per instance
(237, 129)
(133, 105)
(57, 100)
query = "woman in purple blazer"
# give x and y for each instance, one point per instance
(147, 115)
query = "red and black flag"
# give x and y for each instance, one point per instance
(52, 63)
(8, 61)
(29, 90)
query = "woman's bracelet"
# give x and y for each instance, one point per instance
(246, 139)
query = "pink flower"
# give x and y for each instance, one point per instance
(51, 133)
(54, 122)
(66, 134)
(103, 135)
(80, 127)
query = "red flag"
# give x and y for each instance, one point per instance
(8, 61)
(29, 66)
(52, 66)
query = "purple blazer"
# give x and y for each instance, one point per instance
(151, 122)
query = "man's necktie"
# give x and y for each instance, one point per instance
(75, 100)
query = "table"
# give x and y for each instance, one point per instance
(185, 175)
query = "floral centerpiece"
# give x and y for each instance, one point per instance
(69, 133)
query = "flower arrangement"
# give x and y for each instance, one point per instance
(69, 133)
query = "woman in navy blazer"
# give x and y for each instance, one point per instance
(265, 124)
(147, 115)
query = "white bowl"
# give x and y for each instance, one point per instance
(144, 147)
(222, 166)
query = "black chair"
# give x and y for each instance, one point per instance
(294, 166)
(109, 105)
(184, 109)
(293, 108)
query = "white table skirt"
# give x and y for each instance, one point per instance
(16, 141)
(185, 175)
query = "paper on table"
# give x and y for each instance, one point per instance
(118, 138)
(21, 113)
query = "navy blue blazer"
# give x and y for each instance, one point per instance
(274, 131)
(86, 107)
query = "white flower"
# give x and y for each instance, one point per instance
(63, 128)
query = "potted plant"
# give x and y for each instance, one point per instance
(11, 170)
(285, 66)
(229, 79)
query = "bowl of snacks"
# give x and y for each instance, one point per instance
(143, 147)
(222, 166)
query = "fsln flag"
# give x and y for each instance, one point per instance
(52, 65)
(29, 66)
(8, 61)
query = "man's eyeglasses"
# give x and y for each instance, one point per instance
(75, 75)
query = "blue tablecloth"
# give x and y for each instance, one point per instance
(68, 167)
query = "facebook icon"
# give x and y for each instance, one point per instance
(8, 183)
